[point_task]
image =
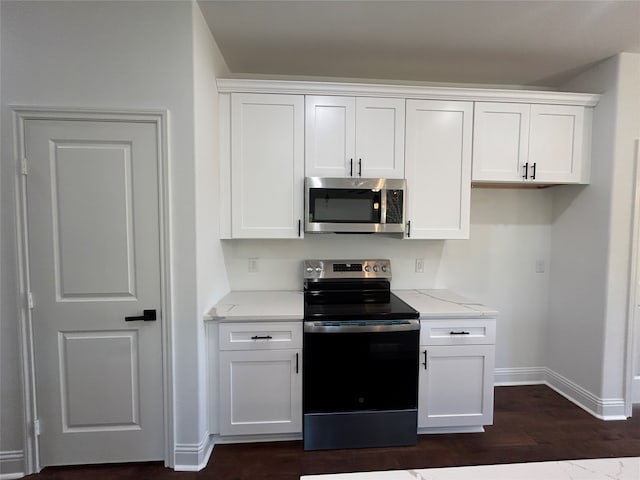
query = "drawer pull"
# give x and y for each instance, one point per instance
(261, 337)
(459, 333)
(425, 359)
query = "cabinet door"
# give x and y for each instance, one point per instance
(260, 392)
(438, 168)
(500, 141)
(380, 137)
(456, 386)
(267, 165)
(330, 136)
(556, 143)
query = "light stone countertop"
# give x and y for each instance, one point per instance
(442, 303)
(258, 305)
(595, 469)
(270, 305)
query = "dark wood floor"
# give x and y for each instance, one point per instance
(532, 423)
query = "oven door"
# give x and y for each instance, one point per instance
(360, 386)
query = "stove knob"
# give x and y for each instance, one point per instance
(309, 269)
(367, 268)
(384, 268)
(318, 269)
(375, 268)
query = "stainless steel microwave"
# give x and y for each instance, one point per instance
(354, 205)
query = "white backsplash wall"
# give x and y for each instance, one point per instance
(510, 236)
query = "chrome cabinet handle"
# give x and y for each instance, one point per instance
(261, 337)
(533, 175)
(526, 171)
(425, 359)
(359, 167)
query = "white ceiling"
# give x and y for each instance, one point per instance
(534, 43)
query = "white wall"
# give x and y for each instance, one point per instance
(211, 274)
(510, 230)
(110, 55)
(591, 243)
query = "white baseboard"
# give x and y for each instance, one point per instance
(11, 464)
(519, 376)
(193, 457)
(277, 437)
(448, 430)
(602, 408)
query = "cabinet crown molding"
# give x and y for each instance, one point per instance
(406, 91)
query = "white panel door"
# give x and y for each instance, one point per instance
(260, 392)
(93, 245)
(330, 136)
(380, 137)
(267, 165)
(556, 143)
(456, 386)
(500, 141)
(438, 168)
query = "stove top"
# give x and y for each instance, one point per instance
(343, 290)
(393, 309)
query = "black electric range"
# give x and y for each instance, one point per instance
(360, 357)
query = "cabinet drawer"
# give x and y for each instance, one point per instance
(458, 332)
(260, 335)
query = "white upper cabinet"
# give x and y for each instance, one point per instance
(500, 142)
(556, 144)
(354, 137)
(515, 142)
(267, 165)
(438, 168)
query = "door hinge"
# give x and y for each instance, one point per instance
(36, 427)
(23, 166)
(30, 300)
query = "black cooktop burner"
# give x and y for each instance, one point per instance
(393, 309)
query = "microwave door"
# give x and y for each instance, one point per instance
(342, 209)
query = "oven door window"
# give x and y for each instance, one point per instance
(344, 205)
(349, 372)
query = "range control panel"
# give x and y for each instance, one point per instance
(380, 268)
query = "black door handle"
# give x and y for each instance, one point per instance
(147, 316)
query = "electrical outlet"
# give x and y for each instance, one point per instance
(539, 266)
(419, 265)
(253, 265)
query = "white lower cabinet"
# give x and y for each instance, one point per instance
(260, 388)
(456, 373)
(259, 379)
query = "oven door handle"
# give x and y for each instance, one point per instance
(355, 327)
